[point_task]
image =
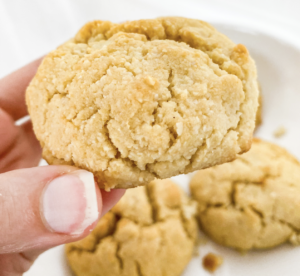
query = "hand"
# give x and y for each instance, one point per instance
(40, 207)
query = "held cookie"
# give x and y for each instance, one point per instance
(253, 202)
(145, 99)
(151, 231)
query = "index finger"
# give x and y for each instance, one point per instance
(13, 87)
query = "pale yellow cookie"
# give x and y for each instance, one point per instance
(252, 202)
(151, 232)
(144, 99)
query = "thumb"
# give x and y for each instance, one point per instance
(46, 206)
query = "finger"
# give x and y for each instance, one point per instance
(110, 199)
(19, 147)
(19, 155)
(20, 263)
(14, 264)
(35, 147)
(8, 132)
(62, 204)
(13, 87)
(46, 206)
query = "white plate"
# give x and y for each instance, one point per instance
(278, 65)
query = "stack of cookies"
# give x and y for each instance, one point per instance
(148, 100)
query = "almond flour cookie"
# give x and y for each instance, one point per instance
(145, 99)
(253, 202)
(151, 231)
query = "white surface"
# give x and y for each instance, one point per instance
(278, 66)
(269, 28)
(31, 28)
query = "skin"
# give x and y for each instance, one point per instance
(23, 236)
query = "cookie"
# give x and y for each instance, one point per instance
(144, 99)
(253, 202)
(151, 231)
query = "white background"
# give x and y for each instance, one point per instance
(31, 28)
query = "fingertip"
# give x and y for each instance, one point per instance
(66, 203)
(70, 203)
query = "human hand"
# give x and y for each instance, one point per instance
(40, 207)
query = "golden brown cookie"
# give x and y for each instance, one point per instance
(253, 202)
(144, 99)
(151, 231)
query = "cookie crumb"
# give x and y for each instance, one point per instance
(280, 131)
(211, 262)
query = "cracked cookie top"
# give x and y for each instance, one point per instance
(144, 99)
(151, 231)
(252, 202)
